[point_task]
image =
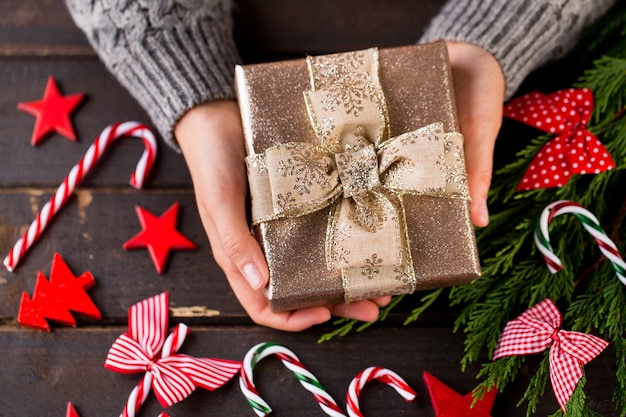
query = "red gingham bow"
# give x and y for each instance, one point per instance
(574, 151)
(145, 349)
(538, 328)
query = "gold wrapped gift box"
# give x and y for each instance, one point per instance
(357, 176)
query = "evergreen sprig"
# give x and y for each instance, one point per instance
(515, 276)
(593, 297)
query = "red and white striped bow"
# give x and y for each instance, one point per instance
(145, 348)
(539, 328)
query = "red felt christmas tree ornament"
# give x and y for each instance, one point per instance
(56, 298)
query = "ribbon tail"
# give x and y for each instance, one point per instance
(587, 155)
(170, 385)
(583, 347)
(207, 373)
(373, 255)
(565, 373)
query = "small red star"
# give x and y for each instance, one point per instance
(52, 113)
(448, 403)
(159, 235)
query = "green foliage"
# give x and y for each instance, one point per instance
(515, 276)
(426, 302)
(347, 325)
(537, 386)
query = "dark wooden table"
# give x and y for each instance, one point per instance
(41, 372)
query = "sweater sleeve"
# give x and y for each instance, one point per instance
(521, 34)
(169, 54)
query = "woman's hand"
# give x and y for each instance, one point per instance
(211, 138)
(479, 88)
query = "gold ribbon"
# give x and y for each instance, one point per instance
(359, 173)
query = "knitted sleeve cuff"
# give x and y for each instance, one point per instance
(521, 34)
(178, 69)
(168, 68)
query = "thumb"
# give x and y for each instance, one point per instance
(238, 246)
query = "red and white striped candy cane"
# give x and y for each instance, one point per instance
(291, 361)
(140, 393)
(384, 375)
(137, 396)
(82, 168)
(590, 223)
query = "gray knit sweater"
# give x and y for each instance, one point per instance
(174, 54)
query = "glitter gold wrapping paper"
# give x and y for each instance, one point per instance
(417, 86)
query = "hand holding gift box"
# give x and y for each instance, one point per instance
(357, 176)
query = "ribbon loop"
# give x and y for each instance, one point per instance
(414, 161)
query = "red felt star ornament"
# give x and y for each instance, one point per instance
(52, 112)
(159, 236)
(448, 403)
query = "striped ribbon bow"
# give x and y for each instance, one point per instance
(539, 328)
(144, 348)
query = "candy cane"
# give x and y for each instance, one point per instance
(140, 393)
(375, 373)
(589, 222)
(137, 396)
(82, 168)
(291, 361)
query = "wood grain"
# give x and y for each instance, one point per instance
(41, 372)
(67, 365)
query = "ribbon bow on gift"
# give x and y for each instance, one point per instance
(539, 328)
(145, 349)
(574, 151)
(359, 173)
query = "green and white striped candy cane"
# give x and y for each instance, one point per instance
(589, 222)
(291, 361)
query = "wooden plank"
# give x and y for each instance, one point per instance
(42, 372)
(275, 27)
(89, 233)
(107, 102)
(39, 27)
(279, 28)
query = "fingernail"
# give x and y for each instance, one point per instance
(483, 212)
(252, 275)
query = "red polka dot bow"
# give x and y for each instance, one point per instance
(145, 348)
(574, 151)
(539, 328)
